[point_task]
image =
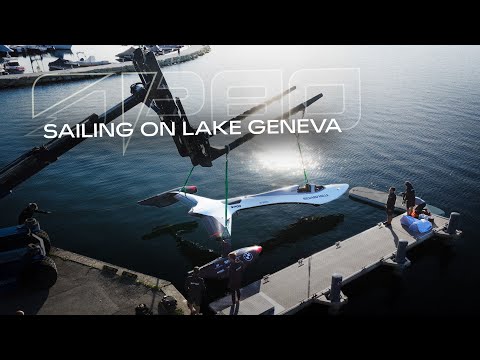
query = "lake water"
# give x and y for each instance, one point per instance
(419, 121)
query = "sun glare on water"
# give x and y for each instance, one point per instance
(285, 157)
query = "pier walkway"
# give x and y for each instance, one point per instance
(319, 277)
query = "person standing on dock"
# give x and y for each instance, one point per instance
(28, 212)
(195, 286)
(409, 197)
(390, 206)
(235, 273)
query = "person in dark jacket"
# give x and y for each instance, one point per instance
(195, 286)
(409, 197)
(28, 212)
(235, 272)
(390, 206)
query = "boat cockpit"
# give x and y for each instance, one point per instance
(310, 188)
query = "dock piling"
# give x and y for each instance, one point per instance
(399, 260)
(337, 299)
(334, 298)
(401, 254)
(335, 288)
(453, 223)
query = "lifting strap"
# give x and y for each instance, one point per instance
(227, 150)
(301, 154)
(184, 188)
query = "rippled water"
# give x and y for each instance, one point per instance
(419, 121)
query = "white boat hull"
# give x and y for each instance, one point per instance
(213, 211)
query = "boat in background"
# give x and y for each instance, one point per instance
(29, 49)
(88, 61)
(4, 50)
(164, 49)
(126, 55)
(59, 53)
(59, 47)
(158, 50)
(62, 64)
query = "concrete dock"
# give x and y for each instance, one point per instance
(319, 277)
(28, 79)
(86, 286)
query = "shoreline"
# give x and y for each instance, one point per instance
(87, 286)
(41, 78)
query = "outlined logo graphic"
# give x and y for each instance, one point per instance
(94, 95)
(238, 90)
(43, 109)
(231, 92)
(248, 256)
(77, 96)
(341, 93)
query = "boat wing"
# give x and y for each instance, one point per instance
(212, 213)
(316, 195)
(173, 196)
(214, 226)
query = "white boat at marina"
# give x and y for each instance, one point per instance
(62, 64)
(126, 55)
(59, 47)
(29, 48)
(88, 61)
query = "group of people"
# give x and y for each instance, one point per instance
(413, 204)
(195, 284)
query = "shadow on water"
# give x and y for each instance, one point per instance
(197, 254)
(303, 228)
(173, 230)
